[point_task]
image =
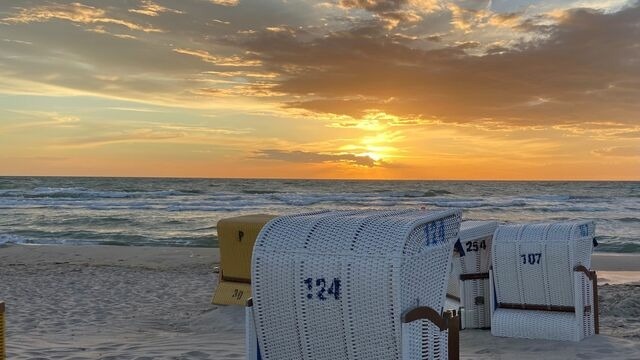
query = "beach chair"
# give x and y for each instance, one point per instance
(353, 285)
(236, 237)
(542, 283)
(469, 280)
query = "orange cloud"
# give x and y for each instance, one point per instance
(150, 8)
(74, 12)
(225, 2)
(218, 60)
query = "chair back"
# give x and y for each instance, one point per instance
(534, 263)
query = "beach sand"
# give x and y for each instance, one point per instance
(110, 302)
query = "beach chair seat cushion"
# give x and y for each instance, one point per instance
(534, 324)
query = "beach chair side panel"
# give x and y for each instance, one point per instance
(424, 339)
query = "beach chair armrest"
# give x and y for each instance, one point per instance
(426, 313)
(592, 276)
(448, 321)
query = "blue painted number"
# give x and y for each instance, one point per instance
(533, 258)
(475, 245)
(321, 291)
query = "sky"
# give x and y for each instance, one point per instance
(358, 89)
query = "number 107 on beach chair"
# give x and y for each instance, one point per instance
(353, 285)
(543, 285)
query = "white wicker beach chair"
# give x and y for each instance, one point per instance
(542, 282)
(469, 280)
(353, 285)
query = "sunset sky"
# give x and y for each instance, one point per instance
(377, 89)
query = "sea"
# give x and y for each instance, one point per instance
(184, 212)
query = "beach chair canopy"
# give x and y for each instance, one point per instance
(541, 282)
(335, 284)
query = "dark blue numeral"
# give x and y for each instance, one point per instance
(533, 258)
(321, 288)
(334, 289)
(475, 246)
(436, 229)
(584, 230)
(321, 283)
(309, 282)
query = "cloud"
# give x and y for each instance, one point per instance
(634, 134)
(218, 60)
(393, 13)
(129, 136)
(345, 58)
(585, 68)
(373, 5)
(18, 41)
(316, 157)
(225, 2)
(149, 8)
(74, 12)
(619, 151)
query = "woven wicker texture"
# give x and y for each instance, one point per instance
(334, 284)
(475, 237)
(534, 265)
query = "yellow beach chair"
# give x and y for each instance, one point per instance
(236, 237)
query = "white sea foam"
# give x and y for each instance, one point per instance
(11, 239)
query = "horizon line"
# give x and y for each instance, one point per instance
(311, 179)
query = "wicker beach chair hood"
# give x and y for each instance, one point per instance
(335, 284)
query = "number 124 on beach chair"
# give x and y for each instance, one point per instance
(353, 285)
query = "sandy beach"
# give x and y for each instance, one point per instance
(111, 302)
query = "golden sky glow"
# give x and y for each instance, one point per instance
(379, 89)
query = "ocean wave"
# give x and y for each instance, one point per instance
(564, 208)
(178, 208)
(188, 241)
(179, 212)
(617, 244)
(6, 239)
(419, 193)
(479, 203)
(84, 193)
(628, 219)
(549, 197)
(260, 192)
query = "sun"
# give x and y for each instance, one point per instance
(373, 155)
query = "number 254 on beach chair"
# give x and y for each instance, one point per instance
(542, 282)
(353, 285)
(469, 280)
